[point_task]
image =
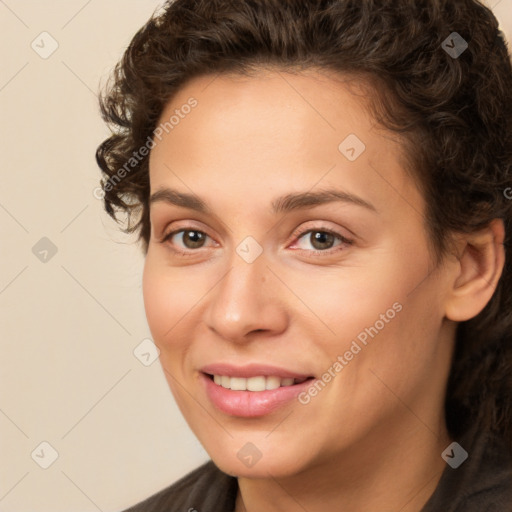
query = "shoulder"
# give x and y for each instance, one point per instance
(482, 483)
(489, 487)
(203, 489)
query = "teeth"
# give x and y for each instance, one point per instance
(253, 384)
(259, 383)
(272, 383)
(237, 383)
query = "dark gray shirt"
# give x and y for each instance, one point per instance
(482, 483)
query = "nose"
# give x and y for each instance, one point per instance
(247, 300)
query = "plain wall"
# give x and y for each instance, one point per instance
(69, 325)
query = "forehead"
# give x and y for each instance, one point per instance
(278, 131)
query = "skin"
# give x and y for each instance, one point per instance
(372, 438)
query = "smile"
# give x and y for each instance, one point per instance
(249, 397)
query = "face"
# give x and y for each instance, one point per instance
(300, 252)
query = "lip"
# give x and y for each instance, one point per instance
(251, 404)
(252, 370)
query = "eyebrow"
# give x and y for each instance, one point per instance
(283, 204)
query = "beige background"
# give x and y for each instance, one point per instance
(69, 326)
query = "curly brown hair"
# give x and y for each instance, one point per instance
(454, 113)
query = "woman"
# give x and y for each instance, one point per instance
(321, 197)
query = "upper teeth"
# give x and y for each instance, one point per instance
(260, 383)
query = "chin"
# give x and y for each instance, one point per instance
(276, 465)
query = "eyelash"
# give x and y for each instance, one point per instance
(344, 241)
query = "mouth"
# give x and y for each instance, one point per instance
(254, 396)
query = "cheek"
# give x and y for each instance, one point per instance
(156, 298)
(400, 351)
(174, 300)
(348, 301)
(376, 315)
(167, 299)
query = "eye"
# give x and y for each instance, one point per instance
(190, 238)
(322, 240)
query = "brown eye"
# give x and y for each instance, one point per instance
(190, 238)
(322, 240)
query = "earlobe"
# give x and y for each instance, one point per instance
(476, 275)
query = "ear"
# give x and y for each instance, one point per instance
(477, 272)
